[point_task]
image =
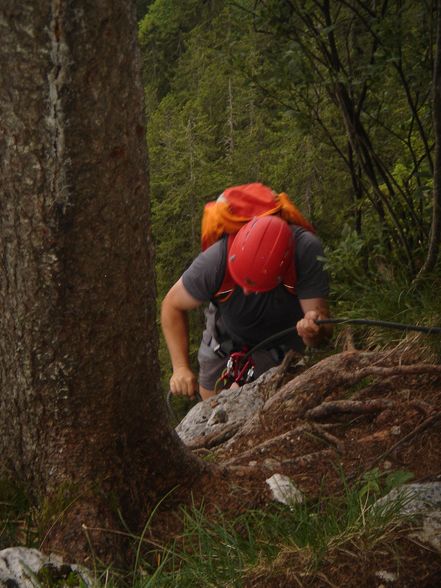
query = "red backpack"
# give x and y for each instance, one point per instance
(234, 208)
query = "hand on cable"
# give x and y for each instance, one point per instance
(183, 382)
(307, 328)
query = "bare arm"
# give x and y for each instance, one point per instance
(174, 322)
(312, 334)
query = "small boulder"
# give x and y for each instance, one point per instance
(423, 501)
(23, 567)
(283, 490)
(233, 406)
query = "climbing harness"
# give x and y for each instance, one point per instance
(239, 370)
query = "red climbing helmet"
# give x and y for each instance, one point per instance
(261, 254)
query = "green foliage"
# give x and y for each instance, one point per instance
(353, 76)
(372, 286)
(51, 576)
(142, 7)
(247, 91)
(162, 36)
(374, 483)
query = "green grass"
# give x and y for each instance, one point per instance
(221, 551)
(384, 292)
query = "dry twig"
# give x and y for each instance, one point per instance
(432, 420)
(339, 407)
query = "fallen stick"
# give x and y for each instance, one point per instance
(328, 437)
(419, 429)
(337, 407)
(300, 461)
(266, 444)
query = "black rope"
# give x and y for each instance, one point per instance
(171, 412)
(386, 324)
(349, 321)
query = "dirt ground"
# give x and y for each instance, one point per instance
(353, 414)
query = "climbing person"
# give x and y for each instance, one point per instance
(261, 272)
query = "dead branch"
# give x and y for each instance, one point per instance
(399, 370)
(423, 407)
(298, 462)
(328, 437)
(287, 436)
(308, 458)
(426, 424)
(339, 407)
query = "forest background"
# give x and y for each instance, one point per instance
(331, 102)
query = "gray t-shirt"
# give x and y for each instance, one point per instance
(251, 319)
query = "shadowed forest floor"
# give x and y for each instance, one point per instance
(326, 427)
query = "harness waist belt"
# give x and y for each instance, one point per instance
(227, 346)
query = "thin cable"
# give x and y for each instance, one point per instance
(334, 321)
(386, 324)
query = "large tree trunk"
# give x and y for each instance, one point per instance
(80, 403)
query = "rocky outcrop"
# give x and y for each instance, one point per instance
(422, 502)
(22, 567)
(225, 412)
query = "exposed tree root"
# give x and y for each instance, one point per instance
(339, 407)
(288, 436)
(308, 458)
(281, 372)
(216, 438)
(423, 407)
(327, 437)
(275, 465)
(309, 389)
(323, 434)
(279, 432)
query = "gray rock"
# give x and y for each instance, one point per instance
(20, 567)
(228, 407)
(430, 532)
(386, 576)
(422, 501)
(414, 498)
(219, 415)
(283, 490)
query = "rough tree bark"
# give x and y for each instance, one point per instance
(80, 405)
